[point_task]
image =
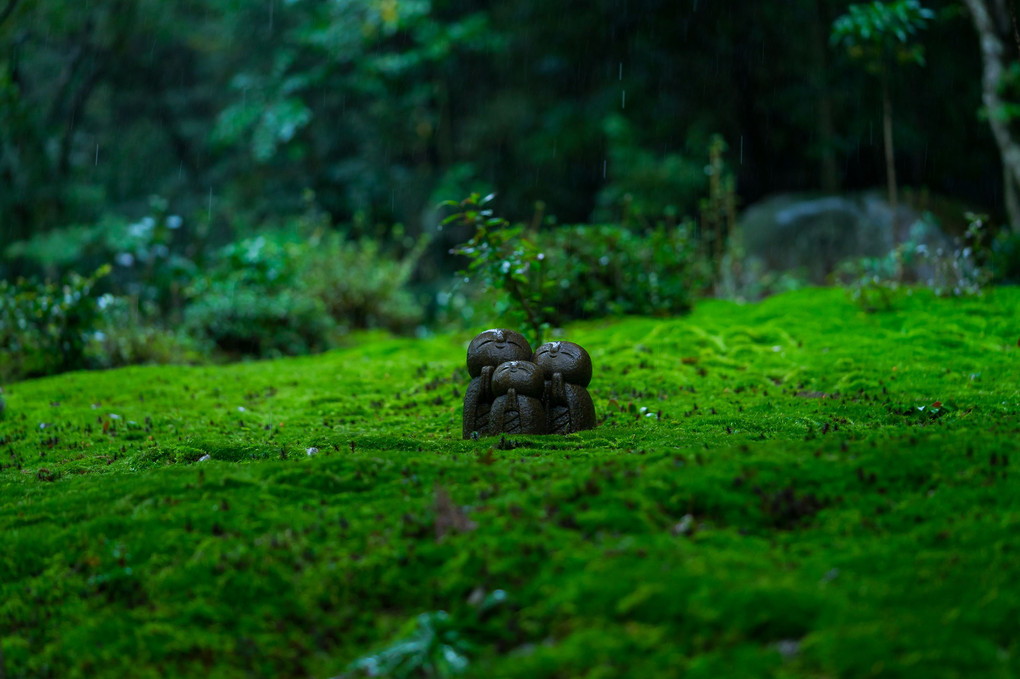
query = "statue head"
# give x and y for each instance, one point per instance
(494, 347)
(524, 376)
(566, 358)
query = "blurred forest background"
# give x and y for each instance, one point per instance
(180, 180)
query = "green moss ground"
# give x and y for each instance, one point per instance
(771, 493)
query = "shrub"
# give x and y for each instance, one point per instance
(583, 271)
(123, 338)
(503, 263)
(151, 265)
(604, 269)
(291, 291)
(876, 282)
(1004, 258)
(45, 328)
(253, 304)
(360, 285)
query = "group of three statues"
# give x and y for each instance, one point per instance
(515, 391)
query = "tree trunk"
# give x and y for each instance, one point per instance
(890, 155)
(992, 21)
(824, 119)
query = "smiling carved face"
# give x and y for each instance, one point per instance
(566, 358)
(524, 376)
(494, 347)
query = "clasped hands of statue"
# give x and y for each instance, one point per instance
(515, 391)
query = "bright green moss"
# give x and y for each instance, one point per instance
(772, 493)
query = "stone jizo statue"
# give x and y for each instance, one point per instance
(513, 391)
(486, 352)
(517, 408)
(567, 371)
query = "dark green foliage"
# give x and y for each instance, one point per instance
(253, 303)
(594, 271)
(361, 283)
(643, 185)
(544, 277)
(503, 259)
(124, 338)
(153, 257)
(434, 648)
(882, 33)
(1004, 259)
(291, 291)
(46, 328)
(231, 110)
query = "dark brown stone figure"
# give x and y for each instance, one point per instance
(567, 372)
(487, 351)
(517, 409)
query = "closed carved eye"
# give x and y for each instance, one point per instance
(565, 350)
(514, 366)
(499, 339)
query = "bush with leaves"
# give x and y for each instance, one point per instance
(1004, 258)
(151, 263)
(876, 283)
(253, 303)
(360, 284)
(548, 277)
(123, 338)
(595, 270)
(502, 261)
(434, 644)
(292, 291)
(45, 328)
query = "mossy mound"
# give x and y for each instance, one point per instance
(793, 489)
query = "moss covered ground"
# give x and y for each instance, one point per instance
(793, 488)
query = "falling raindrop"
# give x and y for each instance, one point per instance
(621, 70)
(97, 154)
(623, 102)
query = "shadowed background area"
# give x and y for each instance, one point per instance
(277, 165)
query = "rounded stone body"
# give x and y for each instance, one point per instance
(567, 370)
(487, 351)
(517, 408)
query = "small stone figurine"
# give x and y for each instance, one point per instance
(486, 352)
(567, 372)
(517, 409)
(513, 391)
